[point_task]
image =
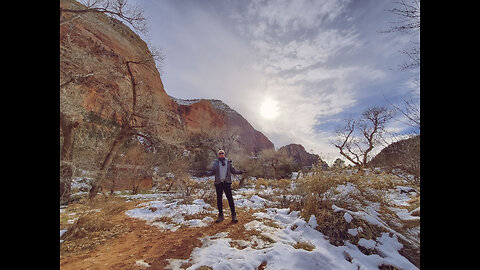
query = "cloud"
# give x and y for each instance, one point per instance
(318, 60)
(285, 16)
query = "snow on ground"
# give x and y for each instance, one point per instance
(279, 245)
(154, 211)
(217, 252)
(281, 238)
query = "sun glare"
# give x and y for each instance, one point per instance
(269, 109)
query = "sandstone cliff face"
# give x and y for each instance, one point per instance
(301, 157)
(94, 50)
(201, 115)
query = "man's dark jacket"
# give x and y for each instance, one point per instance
(215, 170)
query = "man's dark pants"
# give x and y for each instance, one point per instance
(227, 188)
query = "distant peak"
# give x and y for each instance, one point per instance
(217, 103)
(185, 102)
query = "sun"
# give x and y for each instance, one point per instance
(269, 109)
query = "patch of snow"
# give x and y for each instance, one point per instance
(312, 222)
(403, 213)
(153, 196)
(370, 244)
(371, 216)
(255, 202)
(141, 263)
(185, 102)
(153, 211)
(348, 218)
(353, 232)
(346, 189)
(61, 233)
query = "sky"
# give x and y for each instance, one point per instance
(294, 69)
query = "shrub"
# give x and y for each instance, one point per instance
(261, 183)
(318, 192)
(304, 245)
(280, 183)
(96, 223)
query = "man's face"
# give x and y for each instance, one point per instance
(221, 155)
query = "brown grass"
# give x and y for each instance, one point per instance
(97, 221)
(304, 245)
(318, 193)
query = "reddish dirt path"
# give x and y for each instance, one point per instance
(150, 244)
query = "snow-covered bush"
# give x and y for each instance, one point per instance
(350, 207)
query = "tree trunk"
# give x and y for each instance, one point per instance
(66, 157)
(122, 136)
(242, 181)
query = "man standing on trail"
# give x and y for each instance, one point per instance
(222, 169)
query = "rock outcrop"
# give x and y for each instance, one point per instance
(202, 115)
(402, 156)
(301, 158)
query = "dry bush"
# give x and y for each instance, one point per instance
(164, 183)
(304, 245)
(318, 192)
(248, 181)
(189, 186)
(207, 193)
(96, 223)
(235, 185)
(261, 183)
(280, 183)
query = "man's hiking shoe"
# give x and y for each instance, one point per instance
(234, 219)
(219, 219)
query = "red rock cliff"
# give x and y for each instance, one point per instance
(94, 49)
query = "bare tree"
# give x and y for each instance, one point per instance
(121, 9)
(134, 163)
(357, 138)
(408, 13)
(67, 128)
(138, 117)
(207, 141)
(275, 164)
(410, 109)
(215, 138)
(133, 111)
(71, 115)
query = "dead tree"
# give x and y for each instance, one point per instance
(70, 116)
(408, 13)
(138, 118)
(66, 156)
(115, 8)
(134, 113)
(357, 138)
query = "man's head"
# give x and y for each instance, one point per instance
(221, 153)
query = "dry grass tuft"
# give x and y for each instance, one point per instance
(304, 245)
(97, 222)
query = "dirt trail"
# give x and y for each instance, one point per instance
(150, 244)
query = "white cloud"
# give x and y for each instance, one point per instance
(310, 56)
(285, 16)
(294, 69)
